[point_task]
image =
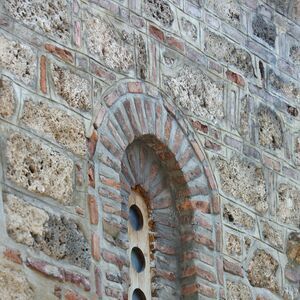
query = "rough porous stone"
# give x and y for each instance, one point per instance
(285, 87)
(280, 5)
(13, 284)
(288, 209)
(74, 89)
(39, 168)
(160, 10)
(237, 291)
(266, 30)
(293, 247)
(238, 217)
(7, 99)
(106, 42)
(57, 124)
(233, 244)
(245, 181)
(194, 91)
(49, 17)
(18, 59)
(189, 28)
(297, 150)
(142, 60)
(272, 235)
(295, 54)
(270, 129)
(245, 116)
(223, 50)
(262, 271)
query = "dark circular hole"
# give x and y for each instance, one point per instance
(138, 295)
(136, 217)
(138, 259)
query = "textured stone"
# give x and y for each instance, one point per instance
(74, 89)
(18, 59)
(142, 60)
(237, 291)
(233, 244)
(280, 5)
(245, 116)
(56, 124)
(39, 168)
(189, 28)
(13, 284)
(105, 41)
(293, 247)
(160, 10)
(196, 92)
(273, 236)
(223, 50)
(270, 129)
(262, 271)
(295, 54)
(50, 17)
(243, 180)
(7, 99)
(264, 29)
(237, 217)
(288, 209)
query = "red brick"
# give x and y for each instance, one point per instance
(211, 145)
(96, 246)
(77, 33)
(79, 210)
(60, 52)
(98, 282)
(99, 71)
(232, 268)
(219, 242)
(198, 150)
(92, 143)
(175, 43)
(220, 270)
(171, 276)
(210, 177)
(272, 163)
(188, 204)
(91, 176)
(13, 255)
(199, 288)
(199, 126)
(195, 270)
(165, 249)
(93, 210)
(135, 87)
(236, 78)
(110, 182)
(43, 74)
(215, 200)
(112, 97)
(70, 295)
(156, 33)
(114, 259)
(198, 238)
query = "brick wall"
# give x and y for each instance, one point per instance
(195, 104)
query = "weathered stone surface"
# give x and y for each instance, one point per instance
(24, 222)
(189, 28)
(295, 54)
(39, 168)
(7, 99)
(223, 50)
(233, 244)
(297, 150)
(18, 59)
(160, 10)
(285, 87)
(243, 180)
(245, 116)
(57, 124)
(49, 17)
(196, 92)
(237, 217)
(280, 5)
(272, 235)
(74, 89)
(288, 209)
(270, 129)
(262, 271)
(14, 284)
(238, 291)
(142, 60)
(105, 41)
(264, 29)
(293, 247)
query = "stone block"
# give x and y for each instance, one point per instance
(272, 235)
(233, 244)
(7, 99)
(264, 29)
(189, 29)
(56, 124)
(293, 248)
(160, 10)
(237, 291)
(295, 54)
(39, 168)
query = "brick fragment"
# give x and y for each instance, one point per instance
(13, 255)
(64, 54)
(93, 210)
(156, 33)
(43, 76)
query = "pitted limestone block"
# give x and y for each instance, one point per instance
(189, 28)
(74, 89)
(57, 124)
(50, 17)
(142, 59)
(18, 59)
(229, 10)
(245, 116)
(293, 247)
(223, 50)
(233, 244)
(13, 284)
(196, 92)
(264, 29)
(104, 40)
(295, 54)
(270, 129)
(7, 99)
(238, 217)
(160, 10)
(280, 5)
(285, 87)
(238, 291)
(272, 235)
(39, 168)
(24, 222)
(262, 271)
(288, 209)
(243, 180)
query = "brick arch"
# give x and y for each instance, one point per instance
(135, 117)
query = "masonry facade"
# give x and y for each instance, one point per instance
(192, 106)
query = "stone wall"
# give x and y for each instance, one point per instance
(194, 103)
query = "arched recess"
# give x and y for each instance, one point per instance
(144, 145)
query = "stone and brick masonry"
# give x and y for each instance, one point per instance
(194, 103)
